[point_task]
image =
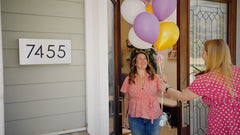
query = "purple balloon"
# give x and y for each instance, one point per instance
(163, 8)
(147, 27)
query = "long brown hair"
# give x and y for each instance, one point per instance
(218, 57)
(133, 68)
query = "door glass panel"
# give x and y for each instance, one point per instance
(111, 73)
(208, 20)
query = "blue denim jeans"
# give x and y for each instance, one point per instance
(141, 126)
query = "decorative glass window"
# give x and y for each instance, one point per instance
(208, 20)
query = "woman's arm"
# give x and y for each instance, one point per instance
(164, 79)
(125, 110)
(184, 95)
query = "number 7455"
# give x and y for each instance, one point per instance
(51, 54)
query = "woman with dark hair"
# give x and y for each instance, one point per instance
(141, 106)
(219, 88)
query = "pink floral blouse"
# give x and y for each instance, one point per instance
(224, 113)
(143, 103)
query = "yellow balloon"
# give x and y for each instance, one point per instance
(149, 8)
(168, 36)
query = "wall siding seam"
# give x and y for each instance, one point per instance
(49, 66)
(46, 99)
(39, 32)
(32, 14)
(42, 83)
(45, 116)
(9, 67)
(45, 66)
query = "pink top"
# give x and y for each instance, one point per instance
(224, 113)
(143, 102)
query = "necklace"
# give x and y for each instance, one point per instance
(141, 80)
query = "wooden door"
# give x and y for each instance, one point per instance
(114, 68)
(209, 11)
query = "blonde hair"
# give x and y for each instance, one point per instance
(218, 57)
(133, 68)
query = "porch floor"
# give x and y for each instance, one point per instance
(77, 133)
(164, 131)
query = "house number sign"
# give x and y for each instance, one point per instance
(44, 51)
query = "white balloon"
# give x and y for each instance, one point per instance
(136, 41)
(131, 8)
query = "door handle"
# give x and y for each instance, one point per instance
(185, 114)
(121, 105)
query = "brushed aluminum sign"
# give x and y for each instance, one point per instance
(44, 51)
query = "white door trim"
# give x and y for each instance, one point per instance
(96, 45)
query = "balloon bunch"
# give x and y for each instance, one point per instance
(147, 27)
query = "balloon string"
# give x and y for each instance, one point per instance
(159, 58)
(147, 2)
(160, 67)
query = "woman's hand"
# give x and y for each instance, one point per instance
(125, 123)
(163, 77)
(163, 86)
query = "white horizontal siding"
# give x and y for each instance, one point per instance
(46, 124)
(42, 108)
(35, 23)
(45, 7)
(33, 92)
(43, 98)
(10, 38)
(11, 58)
(43, 74)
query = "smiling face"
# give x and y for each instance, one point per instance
(204, 56)
(141, 61)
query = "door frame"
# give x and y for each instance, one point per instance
(183, 14)
(117, 67)
(183, 22)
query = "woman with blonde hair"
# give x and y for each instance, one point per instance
(219, 88)
(141, 106)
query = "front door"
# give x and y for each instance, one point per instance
(200, 20)
(114, 66)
